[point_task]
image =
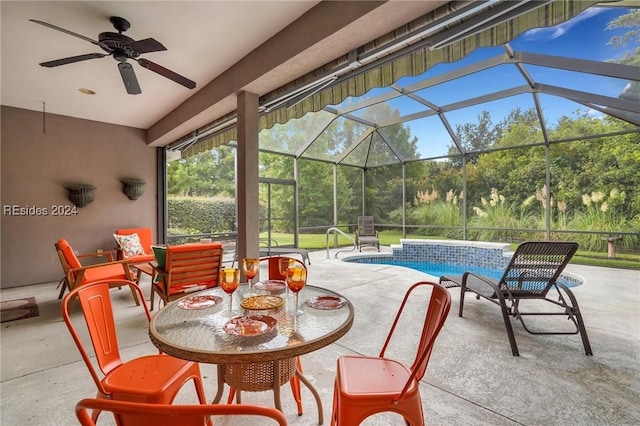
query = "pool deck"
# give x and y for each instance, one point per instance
(472, 378)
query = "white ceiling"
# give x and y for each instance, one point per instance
(203, 39)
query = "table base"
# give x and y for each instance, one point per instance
(262, 376)
(258, 376)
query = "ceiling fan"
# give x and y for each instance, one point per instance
(122, 48)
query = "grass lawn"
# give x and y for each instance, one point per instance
(387, 238)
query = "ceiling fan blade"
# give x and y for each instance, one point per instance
(129, 78)
(90, 40)
(189, 84)
(72, 59)
(147, 45)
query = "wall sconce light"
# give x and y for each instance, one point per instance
(80, 194)
(133, 188)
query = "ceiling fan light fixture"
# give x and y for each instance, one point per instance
(86, 91)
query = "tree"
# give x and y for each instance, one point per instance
(475, 137)
(384, 183)
(207, 174)
(631, 21)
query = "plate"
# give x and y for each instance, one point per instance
(271, 285)
(198, 302)
(326, 302)
(262, 302)
(249, 325)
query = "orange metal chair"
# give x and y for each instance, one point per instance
(142, 414)
(153, 378)
(273, 266)
(273, 269)
(368, 385)
(188, 267)
(76, 275)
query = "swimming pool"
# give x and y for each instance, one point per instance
(438, 257)
(438, 269)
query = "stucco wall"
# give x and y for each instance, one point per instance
(38, 161)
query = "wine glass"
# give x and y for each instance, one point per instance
(229, 282)
(296, 279)
(284, 263)
(250, 267)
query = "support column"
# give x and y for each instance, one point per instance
(247, 186)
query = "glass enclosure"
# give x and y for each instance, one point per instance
(536, 139)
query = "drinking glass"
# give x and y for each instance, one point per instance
(229, 283)
(296, 279)
(250, 267)
(284, 263)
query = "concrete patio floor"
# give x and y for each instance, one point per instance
(472, 378)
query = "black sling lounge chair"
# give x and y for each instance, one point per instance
(532, 272)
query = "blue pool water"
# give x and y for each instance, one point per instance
(439, 269)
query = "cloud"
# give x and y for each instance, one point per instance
(593, 113)
(550, 33)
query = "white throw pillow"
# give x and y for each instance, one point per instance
(130, 245)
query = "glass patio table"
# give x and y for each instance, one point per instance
(252, 359)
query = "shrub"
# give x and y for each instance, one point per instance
(432, 212)
(495, 213)
(201, 214)
(602, 212)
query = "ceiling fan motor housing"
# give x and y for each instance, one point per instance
(118, 43)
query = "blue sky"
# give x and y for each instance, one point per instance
(584, 37)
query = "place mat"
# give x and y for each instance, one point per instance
(12, 310)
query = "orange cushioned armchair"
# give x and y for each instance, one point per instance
(188, 267)
(135, 250)
(75, 274)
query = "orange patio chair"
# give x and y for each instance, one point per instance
(188, 267)
(141, 414)
(274, 274)
(369, 385)
(136, 246)
(152, 378)
(273, 265)
(135, 250)
(76, 275)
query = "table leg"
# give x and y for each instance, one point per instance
(315, 393)
(276, 385)
(268, 374)
(220, 390)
